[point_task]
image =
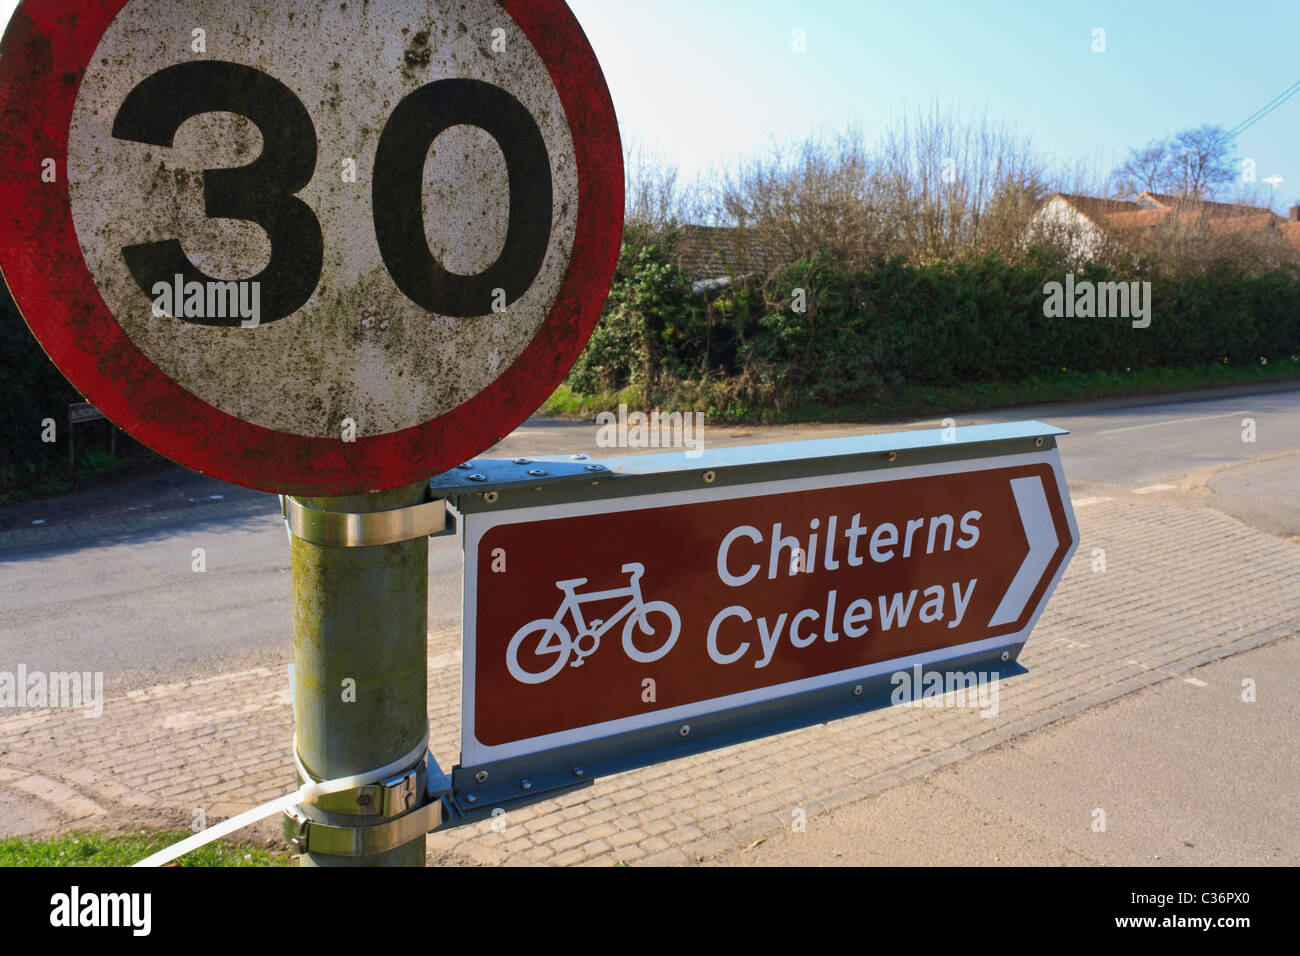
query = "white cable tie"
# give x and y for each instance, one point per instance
(307, 793)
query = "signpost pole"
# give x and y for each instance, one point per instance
(360, 661)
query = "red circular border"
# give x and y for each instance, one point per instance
(42, 61)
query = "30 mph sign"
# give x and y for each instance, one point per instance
(640, 609)
(310, 248)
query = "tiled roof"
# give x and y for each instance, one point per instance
(1095, 209)
(1242, 219)
(1205, 207)
(1136, 219)
(1249, 222)
(711, 252)
(1151, 208)
(1291, 230)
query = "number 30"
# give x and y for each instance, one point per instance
(265, 191)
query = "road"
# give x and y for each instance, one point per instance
(130, 604)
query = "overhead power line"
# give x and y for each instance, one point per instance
(1263, 111)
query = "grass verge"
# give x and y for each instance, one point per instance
(919, 400)
(90, 849)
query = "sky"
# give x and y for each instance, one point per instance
(704, 82)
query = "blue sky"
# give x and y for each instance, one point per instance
(703, 81)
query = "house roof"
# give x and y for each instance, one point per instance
(711, 252)
(1248, 222)
(1149, 208)
(1248, 219)
(1135, 219)
(1152, 209)
(1204, 207)
(1095, 208)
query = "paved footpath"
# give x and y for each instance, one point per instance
(1193, 772)
(1183, 585)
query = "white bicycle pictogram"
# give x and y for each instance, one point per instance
(553, 637)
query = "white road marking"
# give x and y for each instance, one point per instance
(1084, 502)
(1160, 670)
(1172, 421)
(1152, 489)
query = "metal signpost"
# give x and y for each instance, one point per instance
(330, 250)
(79, 412)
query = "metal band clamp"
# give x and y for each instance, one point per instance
(396, 799)
(341, 529)
(310, 836)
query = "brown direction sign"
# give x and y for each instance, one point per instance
(592, 619)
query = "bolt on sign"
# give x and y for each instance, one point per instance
(308, 248)
(688, 593)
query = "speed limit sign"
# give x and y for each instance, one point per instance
(317, 249)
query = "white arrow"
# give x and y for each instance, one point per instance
(1036, 517)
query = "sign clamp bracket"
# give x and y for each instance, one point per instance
(342, 529)
(392, 799)
(430, 518)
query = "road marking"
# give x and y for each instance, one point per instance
(1160, 670)
(1084, 502)
(1152, 489)
(1174, 421)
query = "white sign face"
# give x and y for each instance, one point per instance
(352, 264)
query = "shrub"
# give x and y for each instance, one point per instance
(821, 332)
